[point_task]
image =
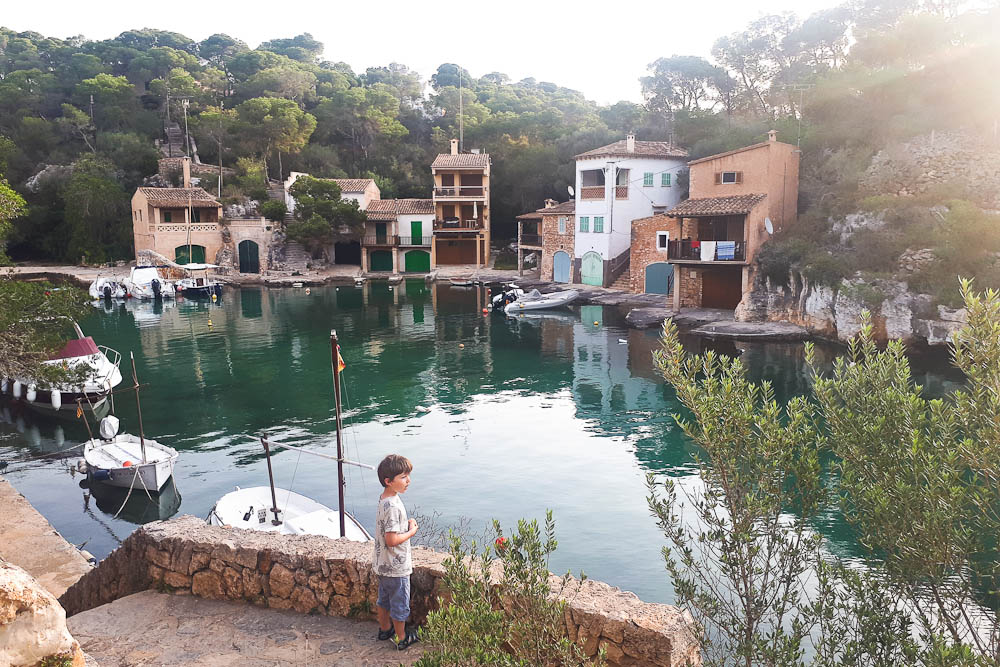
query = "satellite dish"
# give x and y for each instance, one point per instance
(768, 226)
(569, 188)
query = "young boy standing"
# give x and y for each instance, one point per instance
(392, 551)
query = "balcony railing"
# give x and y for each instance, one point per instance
(686, 249)
(531, 239)
(379, 239)
(597, 192)
(415, 240)
(457, 225)
(460, 191)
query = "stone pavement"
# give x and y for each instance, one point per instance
(150, 629)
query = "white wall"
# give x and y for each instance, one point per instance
(619, 213)
(359, 197)
(427, 224)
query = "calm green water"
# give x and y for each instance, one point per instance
(551, 411)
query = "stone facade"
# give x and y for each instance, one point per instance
(553, 241)
(645, 250)
(32, 624)
(317, 575)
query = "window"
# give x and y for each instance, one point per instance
(598, 224)
(167, 217)
(647, 179)
(665, 180)
(728, 177)
(562, 224)
(662, 239)
(584, 224)
(197, 215)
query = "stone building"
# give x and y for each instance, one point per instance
(461, 197)
(554, 233)
(649, 268)
(169, 221)
(738, 199)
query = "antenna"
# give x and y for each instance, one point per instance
(768, 226)
(461, 126)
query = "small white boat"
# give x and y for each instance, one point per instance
(462, 282)
(199, 284)
(107, 287)
(535, 300)
(359, 281)
(251, 509)
(145, 282)
(395, 280)
(121, 459)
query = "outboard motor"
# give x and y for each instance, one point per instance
(506, 296)
(107, 292)
(155, 284)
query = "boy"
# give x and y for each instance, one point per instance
(392, 561)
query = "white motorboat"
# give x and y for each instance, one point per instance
(251, 509)
(107, 287)
(535, 300)
(462, 282)
(199, 284)
(145, 282)
(129, 461)
(98, 363)
(508, 294)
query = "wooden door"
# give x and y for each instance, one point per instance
(592, 269)
(249, 257)
(561, 267)
(380, 234)
(659, 277)
(721, 287)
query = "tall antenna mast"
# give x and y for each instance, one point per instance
(461, 126)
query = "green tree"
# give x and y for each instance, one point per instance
(114, 100)
(97, 211)
(11, 206)
(271, 124)
(681, 82)
(321, 215)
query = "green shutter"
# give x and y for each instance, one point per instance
(598, 224)
(167, 216)
(416, 232)
(665, 180)
(647, 179)
(584, 224)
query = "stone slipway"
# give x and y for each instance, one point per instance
(30, 542)
(775, 331)
(151, 628)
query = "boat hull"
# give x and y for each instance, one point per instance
(543, 302)
(250, 509)
(118, 462)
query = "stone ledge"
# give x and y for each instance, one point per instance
(317, 575)
(32, 624)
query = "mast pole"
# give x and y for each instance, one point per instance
(270, 476)
(138, 408)
(340, 451)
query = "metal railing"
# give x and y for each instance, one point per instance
(686, 249)
(460, 191)
(379, 239)
(457, 225)
(415, 240)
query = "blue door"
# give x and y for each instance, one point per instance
(659, 278)
(560, 267)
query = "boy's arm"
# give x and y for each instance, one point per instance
(393, 539)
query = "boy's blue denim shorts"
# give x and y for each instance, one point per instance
(394, 595)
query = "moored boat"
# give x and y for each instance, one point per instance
(535, 300)
(107, 287)
(199, 284)
(127, 460)
(146, 282)
(251, 509)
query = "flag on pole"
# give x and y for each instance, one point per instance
(79, 411)
(340, 362)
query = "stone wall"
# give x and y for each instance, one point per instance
(171, 167)
(32, 624)
(317, 575)
(553, 242)
(644, 248)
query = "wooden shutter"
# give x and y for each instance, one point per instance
(718, 178)
(739, 177)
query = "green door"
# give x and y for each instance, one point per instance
(197, 254)
(417, 261)
(381, 260)
(249, 257)
(416, 233)
(380, 233)
(592, 269)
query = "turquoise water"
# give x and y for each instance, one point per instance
(501, 418)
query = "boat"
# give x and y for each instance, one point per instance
(145, 282)
(395, 280)
(273, 509)
(535, 300)
(107, 287)
(99, 364)
(508, 294)
(201, 285)
(125, 460)
(359, 281)
(462, 282)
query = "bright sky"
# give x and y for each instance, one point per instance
(600, 49)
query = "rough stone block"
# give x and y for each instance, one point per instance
(279, 603)
(176, 579)
(232, 581)
(612, 651)
(207, 584)
(199, 561)
(303, 600)
(252, 582)
(281, 581)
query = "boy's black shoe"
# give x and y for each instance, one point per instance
(411, 638)
(386, 634)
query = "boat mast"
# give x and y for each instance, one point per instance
(138, 409)
(340, 451)
(189, 220)
(270, 476)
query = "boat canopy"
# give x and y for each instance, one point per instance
(78, 347)
(198, 267)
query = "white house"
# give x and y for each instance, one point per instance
(616, 184)
(398, 236)
(361, 190)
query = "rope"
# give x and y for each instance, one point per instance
(128, 495)
(4, 464)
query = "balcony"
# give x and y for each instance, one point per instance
(387, 240)
(531, 239)
(460, 191)
(415, 240)
(597, 192)
(457, 225)
(686, 250)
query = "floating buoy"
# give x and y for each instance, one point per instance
(210, 322)
(17, 389)
(596, 323)
(56, 399)
(127, 464)
(461, 345)
(214, 297)
(309, 291)
(485, 310)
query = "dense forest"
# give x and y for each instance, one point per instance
(78, 118)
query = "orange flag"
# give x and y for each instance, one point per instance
(340, 362)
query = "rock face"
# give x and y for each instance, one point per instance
(317, 575)
(835, 313)
(32, 624)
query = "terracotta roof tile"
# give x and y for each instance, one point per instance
(178, 197)
(414, 206)
(564, 208)
(709, 206)
(461, 160)
(353, 185)
(732, 152)
(662, 149)
(388, 209)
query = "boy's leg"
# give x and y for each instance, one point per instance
(382, 605)
(400, 611)
(383, 618)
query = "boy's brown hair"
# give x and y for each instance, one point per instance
(393, 465)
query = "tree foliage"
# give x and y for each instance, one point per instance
(321, 215)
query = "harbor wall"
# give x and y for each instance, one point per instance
(318, 575)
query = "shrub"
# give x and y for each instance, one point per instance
(866, 293)
(826, 269)
(273, 210)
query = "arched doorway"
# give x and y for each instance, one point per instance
(592, 269)
(659, 278)
(249, 253)
(560, 267)
(417, 261)
(381, 260)
(197, 254)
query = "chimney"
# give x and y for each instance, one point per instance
(772, 135)
(630, 142)
(186, 170)
(454, 146)
(549, 203)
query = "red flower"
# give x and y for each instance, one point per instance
(501, 543)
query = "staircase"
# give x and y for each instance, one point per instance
(623, 282)
(276, 190)
(174, 145)
(296, 257)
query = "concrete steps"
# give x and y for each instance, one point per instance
(622, 283)
(296, 257)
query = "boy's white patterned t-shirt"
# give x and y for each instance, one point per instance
(391, 518)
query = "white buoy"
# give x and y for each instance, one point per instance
(17, 389)
(60, 436)
(32, 393)
(56, 399)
